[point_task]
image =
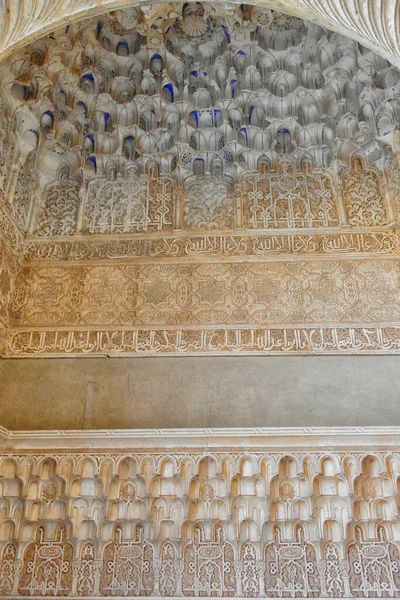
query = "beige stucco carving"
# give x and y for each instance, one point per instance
(281, 518)
(199, 179)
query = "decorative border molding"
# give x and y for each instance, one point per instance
(366, 339)
(268, 246)
(203, 439)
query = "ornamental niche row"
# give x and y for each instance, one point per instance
(185, 525)
(275, 196)
(195, 117)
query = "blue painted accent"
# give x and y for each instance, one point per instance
(123, 44)
(92, 159)
(199, 160)
(216, 115)
(284, 130)
(243, 130)
(170, 88)
(233, 83)
(80, 103)
(195, 114)
(226, 32)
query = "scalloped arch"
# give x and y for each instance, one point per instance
(375, 24)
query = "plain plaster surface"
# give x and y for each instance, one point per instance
(199, 392)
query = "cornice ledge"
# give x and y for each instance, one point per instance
(273, 438)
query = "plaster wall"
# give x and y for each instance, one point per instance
(199, 392)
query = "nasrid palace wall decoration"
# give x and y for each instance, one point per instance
(188, 179)
(199, 179)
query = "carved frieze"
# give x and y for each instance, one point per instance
(374, 566)
(47, 566)
(7, 568)
(192, 341)
(209, 566)
(128, 567)
(135, 203)
(229, 294)
(213, 523)
(254, 247)
(364, 196)
(209, 202)
(59, 210)
(291, 569)
(11, 244)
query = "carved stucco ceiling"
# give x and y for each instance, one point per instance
(184, 91)
(375, 23)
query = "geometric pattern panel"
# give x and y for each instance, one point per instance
(231, 294)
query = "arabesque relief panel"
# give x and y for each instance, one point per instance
(228, 294)
(333, 306)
